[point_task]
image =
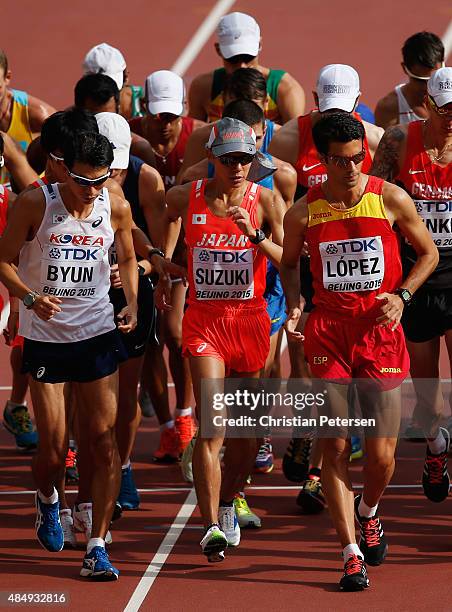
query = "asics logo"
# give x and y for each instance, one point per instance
(201, 347)
(307, 168)
(40, 373)
(415, 171)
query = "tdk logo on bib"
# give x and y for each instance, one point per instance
(352, 265)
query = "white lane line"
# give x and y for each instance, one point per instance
(447, 40)
(164, 550)
(201, 36)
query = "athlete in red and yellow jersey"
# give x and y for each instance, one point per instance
(353, 331)
(226, 326)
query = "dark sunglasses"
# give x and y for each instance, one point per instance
(87, 182)
(165, 117)
(241, 59)
(342, 161)
(443, 112)
(234, 160)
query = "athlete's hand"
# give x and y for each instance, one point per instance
(127, 318)
(12, 326)
(115, 279)
(293, 318)
(162, 293)
(392, 309)
(46, 307)
(165, 268)
(241, 218)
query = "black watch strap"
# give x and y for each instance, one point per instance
(405, 295)
(260, 237)
(155, 252)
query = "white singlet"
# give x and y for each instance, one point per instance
(406, 113)
(68, 258)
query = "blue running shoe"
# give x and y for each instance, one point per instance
(357, 451)
(17, 421)
(48, 525)
(128, 497)
(96, 565)
(264, 459)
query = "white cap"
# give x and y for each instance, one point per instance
(439, 86)
(238, 34)
(337, 87)
(105, 59)
(117, 130)
(165, 93)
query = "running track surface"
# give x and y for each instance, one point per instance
(293, 561)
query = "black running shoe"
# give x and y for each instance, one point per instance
(373, 541)
(295, 462)
(117, 511)
(355, 575)
(435, 478)
(311, 498)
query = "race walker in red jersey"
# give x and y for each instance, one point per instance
(226, 326)
(353, 331)
(419, 157)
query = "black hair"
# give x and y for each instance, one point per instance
(97, 87)
(89, 148)
(337, 127)
(3, 61)
(244, 110)
(2, 145)
(424, 48)
(246, 84)
(62, 125)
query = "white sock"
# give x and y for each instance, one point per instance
(366, 511)
(92, 542)
(126, 465)
(184, 412)
(438, 445)
(11, 405)
(72, 444)
(350, 550)
(49, 500)
(167, 425)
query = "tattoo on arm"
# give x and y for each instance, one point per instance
(386, 160)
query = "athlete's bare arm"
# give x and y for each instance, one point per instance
(295, 223)
(38, 111)
(373, 134)
(152, 202)
(195, 172)
(389, 157)
(24, 219)
(142, 149)
(199, 96)
(284, 144)
(16, 163)
(387, 111)
(195, 150)
(290, 98)
(285, 181)
(121, 222)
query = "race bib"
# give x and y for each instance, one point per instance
(71, 271)
(353, 265)
(437, 216)
(223, 275)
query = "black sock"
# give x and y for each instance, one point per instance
(227, 504)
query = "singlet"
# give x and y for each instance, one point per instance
(4, 197)
(131, 191)
(406, 113)
(68, 258)
(354, 253)
(19, 128)
(137, 95)
(40, 182)
(430, 186)
(216, 105)
(310, 170)
(224, 268)
(170, 165)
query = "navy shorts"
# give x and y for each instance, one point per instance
(135, 342)
(82, 361)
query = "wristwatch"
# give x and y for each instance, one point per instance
(30, 299)
(155, 252)
(405, 295)
(260, 236)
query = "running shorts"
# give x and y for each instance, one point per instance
(306, 287)
(276, 302)
(135, 342)
(82, 361)
(429, 315)
(341, 350)
(238, 338)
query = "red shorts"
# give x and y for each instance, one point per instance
(238, 338)
(18, 341)
(338, 349)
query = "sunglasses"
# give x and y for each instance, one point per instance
(439, 110)
(56, 157)
(166, 117)
(342, 162)
(241, 59)
(234, 160)
(87, 182)
(2, 161)
(416, 76)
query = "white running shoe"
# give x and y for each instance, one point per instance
(227, 519)
(214, 543)
(67, 524)
(83, 521)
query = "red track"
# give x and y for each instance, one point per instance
(293, 562)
